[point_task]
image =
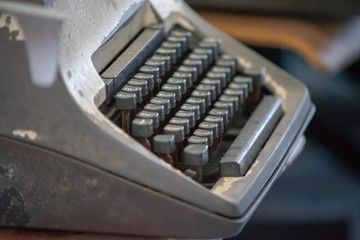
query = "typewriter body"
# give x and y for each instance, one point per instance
(66, 161)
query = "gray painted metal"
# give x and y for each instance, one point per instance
(56, 144)
(247, 145)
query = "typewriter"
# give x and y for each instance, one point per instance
(154, 122)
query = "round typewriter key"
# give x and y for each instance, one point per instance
(178, 132)
(163, 146)
(182, 82)
(164, 143)
(205, 133)
(126, 102)
(184, 75)
(134, 89)
(232, 99)
(152, 115)
(163, 102)
(194, 108)
(156, 108)
(189, 115)
(182, 40)
(214, 128)
(210, 126)
(197, 140)
(209, 135)
(182, 34)
(151, 79)
(142, 129)
(205, 51)
(216, 119)
(167, 52)
(227, 64)
(183, 122)
(157, 63)
(197, 101)
(258, 75)
(202, 57)
(218, 76)
(140, 83)
(196, 156)
(227, 72)
(208, 88)
(235, 93)
(206, 95)
(244, 80)
(213, 43)
(150, 74)
(224, 113)
(173, 45)
(196, 64)
(240, 86)
(168, 95)
(213, 82)
(192, 70)
(220, 123)
(225, 105)
(173, 89)
(166, 61)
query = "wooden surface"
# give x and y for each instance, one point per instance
(16, 234)
(328, 45)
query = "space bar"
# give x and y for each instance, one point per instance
(247, 145)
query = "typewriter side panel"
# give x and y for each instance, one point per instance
(43, 189)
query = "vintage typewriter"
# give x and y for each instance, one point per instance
(156, 123)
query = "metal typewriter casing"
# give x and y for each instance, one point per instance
(64, 166)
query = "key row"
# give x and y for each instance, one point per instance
(188, 127)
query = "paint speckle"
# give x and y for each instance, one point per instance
(68, 74)
(7, 172)
(12, 208)
(30, 134)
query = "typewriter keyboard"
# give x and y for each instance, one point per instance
(189, 102)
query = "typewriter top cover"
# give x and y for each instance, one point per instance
(137, 118)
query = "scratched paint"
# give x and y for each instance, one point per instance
(30, 134)
(12, 208)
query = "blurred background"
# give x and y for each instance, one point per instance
(318, 196)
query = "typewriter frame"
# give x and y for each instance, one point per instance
(41, 159)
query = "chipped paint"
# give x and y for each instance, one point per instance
(12, 24)
(244, 62)
(30, 134)
(224, 185)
